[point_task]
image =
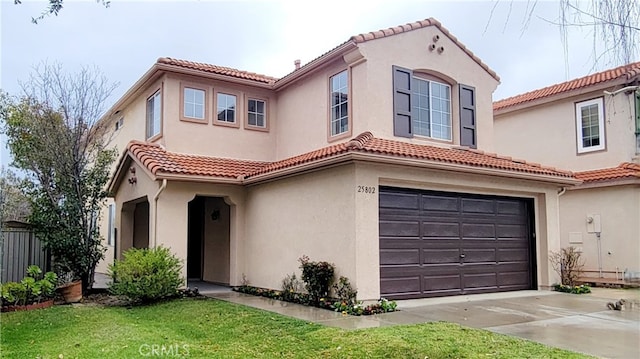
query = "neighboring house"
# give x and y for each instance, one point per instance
(375, 156)
(591, 126)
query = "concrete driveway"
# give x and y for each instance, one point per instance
(580, 323)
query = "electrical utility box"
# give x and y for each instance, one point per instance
(593, 223)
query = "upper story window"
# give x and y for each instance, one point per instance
(590, 125)
(431, 109)
(422, 107)
(339, 103)
(256, 113)
(193, 105)
(226, 105)
(154, 114)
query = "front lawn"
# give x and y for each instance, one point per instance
(207, 328)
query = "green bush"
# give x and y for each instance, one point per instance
(317, 277)
(146, 275)
(34, 288)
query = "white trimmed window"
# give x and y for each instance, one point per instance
(111, 236)
(194, 103)
(226, 108)
(431, 109)
(256, 111)
(154, 114)
(590, 125)
(339, 103)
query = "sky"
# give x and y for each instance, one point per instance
(124, 40)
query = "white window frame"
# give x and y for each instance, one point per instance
(154, 124)
(431, 110)
(111, 234)
(220, 107)
(601, 133)
(333, 106)
(256, 113)
(192, 105)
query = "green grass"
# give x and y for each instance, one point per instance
(207, 328)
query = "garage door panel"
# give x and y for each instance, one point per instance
(511, 231)
(399, 229)
(406, 285)
(441, 256)
(399, 256)
(478, 231)
(511, 207)
(513, 255)
(399, 200)
(479, 280)
(439, 203)
(423, 235)
(439, 229)
(479, 255)
(478, 206)
(440, 282)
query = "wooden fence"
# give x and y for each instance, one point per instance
(20, 249)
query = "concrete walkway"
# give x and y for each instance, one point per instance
(575, 322)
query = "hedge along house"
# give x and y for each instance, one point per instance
(375, 156)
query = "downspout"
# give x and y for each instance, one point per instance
(155, 212)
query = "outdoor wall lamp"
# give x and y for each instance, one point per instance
(215, 215)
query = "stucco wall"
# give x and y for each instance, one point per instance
(205, 138)
(311, 214)
(547, 133)
(373, 88)
(619, 210)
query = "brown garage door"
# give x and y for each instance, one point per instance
(439, 243)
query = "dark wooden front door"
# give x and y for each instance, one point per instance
(439, 244)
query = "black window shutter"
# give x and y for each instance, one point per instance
(402, 102)
(468, 116)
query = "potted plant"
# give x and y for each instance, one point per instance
(70, 287)
(33, 292)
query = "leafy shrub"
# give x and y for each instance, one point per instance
(317, 277)
(576, 289)
(344, 291)
(568, 264)
(34, 288)
(146, 275)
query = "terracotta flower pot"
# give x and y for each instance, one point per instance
(71, 292)
(16, 308)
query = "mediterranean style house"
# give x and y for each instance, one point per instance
(591, 126)
(377, 156)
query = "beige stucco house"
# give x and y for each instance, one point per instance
(376, 156)
(591, 126)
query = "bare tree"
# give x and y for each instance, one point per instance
(614, 26)
(56, 138)
(54, 7)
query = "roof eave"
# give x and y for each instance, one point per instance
(561, 96)
(340, 50)
(198, 178)
(626, 181)
(214, 76)
(404, 161)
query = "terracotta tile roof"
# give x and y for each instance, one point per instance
(366, 143)
(160, 161)
(220, 70)
(626, 170)
(419, 25)
(626, 72)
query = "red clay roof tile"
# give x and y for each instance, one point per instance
(159, 161)
(220, 70)
(626, 72)
(626, 170)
